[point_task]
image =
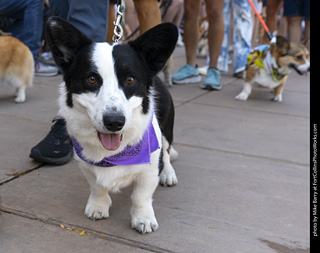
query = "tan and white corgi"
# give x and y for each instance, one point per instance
(16, 65)
(269, 66)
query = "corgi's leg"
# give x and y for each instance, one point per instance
(142, 214)
(246, 91)
(278, 92)
(20, 94)
(99, 200)
(168, 176)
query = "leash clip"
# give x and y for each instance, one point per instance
(118, 30)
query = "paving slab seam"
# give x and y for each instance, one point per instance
(204, 93)
(240, 153)
(289, 242)
(18, 175)
(23, 118)
(253, 110)
(86, 231)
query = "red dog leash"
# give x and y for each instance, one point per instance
(265, 27)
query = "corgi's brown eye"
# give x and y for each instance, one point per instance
(299, 57)
(130, 80)
(92, 80)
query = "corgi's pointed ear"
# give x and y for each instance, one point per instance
(283, 44)
(64, 41)
(156, 45)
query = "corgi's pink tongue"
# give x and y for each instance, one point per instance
(110, 141)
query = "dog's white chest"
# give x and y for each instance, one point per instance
(116, 177)
(263, 78)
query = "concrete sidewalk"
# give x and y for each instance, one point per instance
(243, 174)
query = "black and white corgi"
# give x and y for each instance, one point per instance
(119, 115)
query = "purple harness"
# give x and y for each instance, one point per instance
(131, 155)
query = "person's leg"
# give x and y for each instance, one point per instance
(216, 29)
(28, 26)
(294, 11)
(307, 32)
(189, 73)
(174, 12)
(131, 20)
(111, 19)
(59, 8)
(255, 23)
(271, 20)
(224, 54)
(242, 35)
(294, 28)
(306, 14)
(148, 14)
(191, 29)
(215, 37)
(91, 19)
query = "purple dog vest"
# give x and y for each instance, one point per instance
(131, 155)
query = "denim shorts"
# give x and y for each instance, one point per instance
(299, 8)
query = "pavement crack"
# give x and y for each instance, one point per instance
(86, 231)
(18, 175)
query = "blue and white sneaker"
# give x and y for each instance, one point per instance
(187, 74)
(212, 81)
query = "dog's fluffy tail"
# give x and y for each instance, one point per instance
(173, 153)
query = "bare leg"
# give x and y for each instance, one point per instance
(148, 14)
(216, 29)
(131, 18)
(294, 28)
(174, 13)
(307, 32)
(191, 29)
(271, 22)
(111, 18)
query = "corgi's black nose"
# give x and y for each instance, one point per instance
(114, 122)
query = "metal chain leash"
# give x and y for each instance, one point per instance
(118, 30)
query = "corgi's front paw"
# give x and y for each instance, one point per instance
(242, 96)
(143, 220)
(98, 208)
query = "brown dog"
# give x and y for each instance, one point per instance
(16, 65)
(269, 66)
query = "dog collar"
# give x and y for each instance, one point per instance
(274, 71)
(132, 155)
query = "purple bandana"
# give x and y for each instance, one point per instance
(131, 155)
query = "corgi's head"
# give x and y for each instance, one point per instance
(107, 86)
(290, 55)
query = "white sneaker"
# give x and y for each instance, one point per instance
(45, 70)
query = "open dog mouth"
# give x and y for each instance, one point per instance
(300, 72)
(110, 142)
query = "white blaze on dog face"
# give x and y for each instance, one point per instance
(107, 96)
